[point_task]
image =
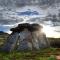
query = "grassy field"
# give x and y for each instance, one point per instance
(43, 54)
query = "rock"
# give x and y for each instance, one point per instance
(24, 43)
(29, 36)
(9, 45)
(39, 40)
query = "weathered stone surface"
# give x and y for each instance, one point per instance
(29, 36)
(39, 40)
(43, 42)
(11, 42)
(25, 40)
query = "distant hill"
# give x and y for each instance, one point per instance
(3, 35)
(1, 32)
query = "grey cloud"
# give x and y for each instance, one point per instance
(7, 4)
(2, 28)
(9, 22)
(27, 2)
(45, 22)
(37, 19)
(57, 31)
(54, 24)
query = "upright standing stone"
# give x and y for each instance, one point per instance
(39, 40)
(11, 42)
(35, 40)
(43, 42)
(24, 43)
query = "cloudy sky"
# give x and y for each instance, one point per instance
(13, 12)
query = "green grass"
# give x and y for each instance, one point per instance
(44, 54)
(23, 56)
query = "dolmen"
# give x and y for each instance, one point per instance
(26, 37)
